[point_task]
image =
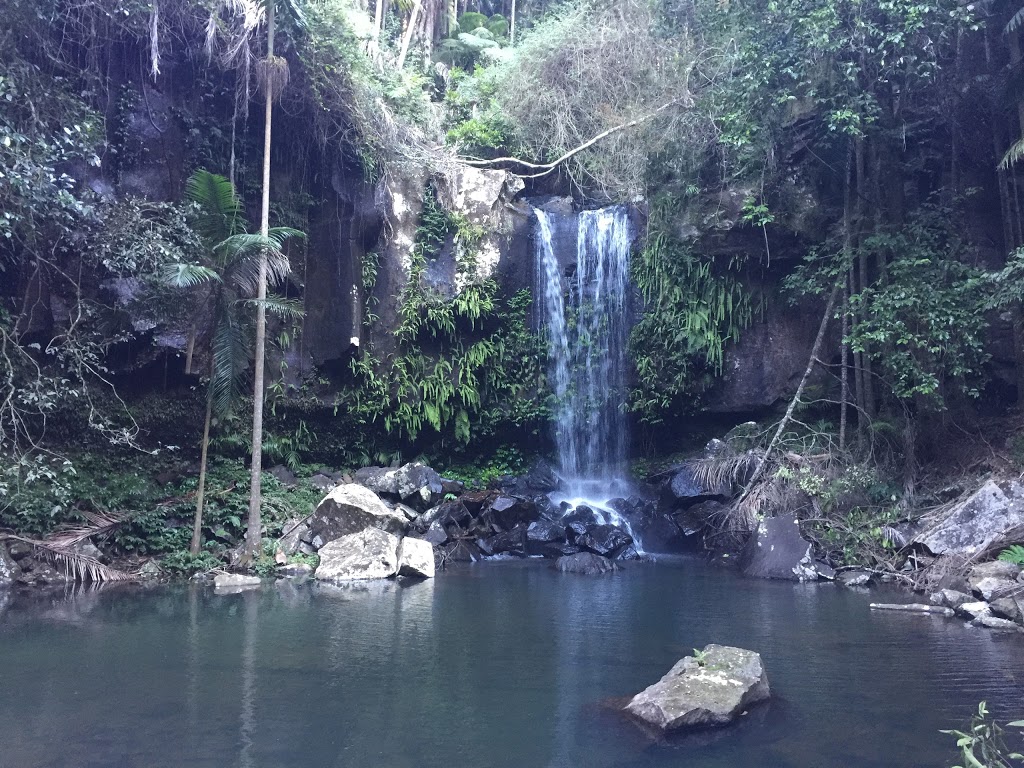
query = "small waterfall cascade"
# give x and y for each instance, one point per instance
(587, 321)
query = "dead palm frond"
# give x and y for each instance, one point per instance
(715, 472)
(97, 524)
(60, 550)
(75, 565)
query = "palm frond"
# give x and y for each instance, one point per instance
(289, 309)
(245, 270)
(97, 524)
(231, 356)
(187, 275)
(1013, 154)
(716, 472)
(1015, 21)
(220, 210)
(76, 566)
(294, 12)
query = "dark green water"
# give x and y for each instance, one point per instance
(502, 664)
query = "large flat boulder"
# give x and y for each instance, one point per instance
(368, 554)
(710, 689)
(987, 518)
(350, 508)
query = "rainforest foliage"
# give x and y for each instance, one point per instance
(785, 151)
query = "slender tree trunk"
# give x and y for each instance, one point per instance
(815, 352)
(378, 27)
(862, 270)
(197, 524)
(409, 31)
(190, 348)
(844, 376)
(252, 537)
(512, 25)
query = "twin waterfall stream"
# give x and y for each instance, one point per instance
(586, 316)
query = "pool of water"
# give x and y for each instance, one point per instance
(498, 664)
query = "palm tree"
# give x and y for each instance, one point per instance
(235, 263)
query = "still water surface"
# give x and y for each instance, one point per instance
(499, 664)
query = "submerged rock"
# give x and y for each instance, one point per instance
(710, 689)
(235, 581)
(415, 558)
(585, 564)
(368, 554)
(350, 508)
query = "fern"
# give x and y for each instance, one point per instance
(1013, 554)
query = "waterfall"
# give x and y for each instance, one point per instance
(587, 324)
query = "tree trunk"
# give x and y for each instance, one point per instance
(378, 28)
(409, 30)
(252, 536)
(512, 25)
(862, 269)
(197, 524)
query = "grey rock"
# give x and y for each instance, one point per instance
(322, 482)
(235, 580)
(463, 552)
(284, 475)
(19, 550)
(436, 534)
(410, 513)
(367, 554)
(579, 521)
(151, 570)
(9, 570)
(349, 509)
(989, 588)
(1011, 608)
(295, 570)
(605, 540)
(42, 574)
(293, 535)
(712, 690)
(415, 558)
(982, 521)
(585, 564)
(510, 511)
(513, 541)
(416, 484)
(973, 610)
(950, 598)
(776, 550)
(994, 622)
(854, 579)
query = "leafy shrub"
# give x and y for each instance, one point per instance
(983, 744)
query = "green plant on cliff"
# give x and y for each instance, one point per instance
(464, 362)
(693, 308)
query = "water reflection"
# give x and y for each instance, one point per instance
(493, 665)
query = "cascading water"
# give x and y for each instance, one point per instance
(587, 335)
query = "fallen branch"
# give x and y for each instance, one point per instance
(796, 397)
(545, 168)
(912, 608)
